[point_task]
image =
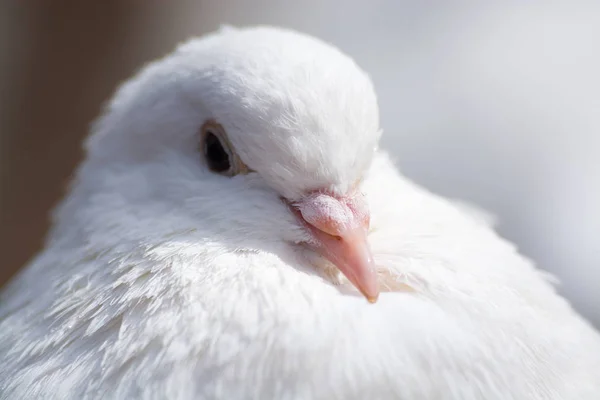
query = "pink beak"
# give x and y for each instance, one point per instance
(340, 226)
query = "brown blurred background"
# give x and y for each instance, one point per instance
(61, 62)
(493, 102)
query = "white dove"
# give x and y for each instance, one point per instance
(232, 207)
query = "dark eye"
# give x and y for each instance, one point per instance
(218, 152)
(217, 157)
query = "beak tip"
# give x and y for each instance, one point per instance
(372, 296)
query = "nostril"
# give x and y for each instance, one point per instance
(330, 214)
(326, 213)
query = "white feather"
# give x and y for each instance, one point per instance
(161, 279)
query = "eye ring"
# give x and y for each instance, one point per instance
(218, 152)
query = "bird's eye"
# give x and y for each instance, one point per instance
(218, 152)
(216, 156)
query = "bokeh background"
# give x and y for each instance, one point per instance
(497, 103)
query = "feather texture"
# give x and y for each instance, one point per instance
(161, 280)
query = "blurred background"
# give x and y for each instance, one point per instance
(496, 103)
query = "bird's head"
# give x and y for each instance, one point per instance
(263, 132)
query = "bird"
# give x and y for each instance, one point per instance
(235, 231)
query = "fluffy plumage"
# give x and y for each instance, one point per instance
(161, 279)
